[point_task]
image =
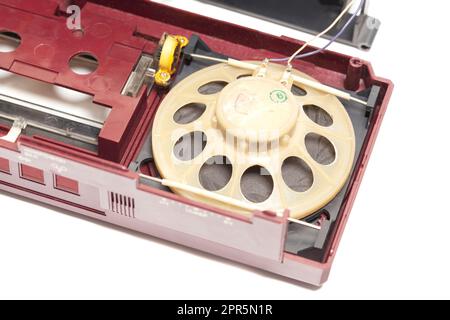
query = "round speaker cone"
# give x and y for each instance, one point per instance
(254, 139)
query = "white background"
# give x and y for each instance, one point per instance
(396, 244)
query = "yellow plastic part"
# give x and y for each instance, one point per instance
(254, 109)
(170, 55)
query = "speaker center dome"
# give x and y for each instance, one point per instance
(257, 109)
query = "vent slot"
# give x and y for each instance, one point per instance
(121, 204)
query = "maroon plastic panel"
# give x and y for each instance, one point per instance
(116, 32)
(4, 165)
(32, 174)
(47, 46)
(66, 184)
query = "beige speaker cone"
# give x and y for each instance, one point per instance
(265, 142)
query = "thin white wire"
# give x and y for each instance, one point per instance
(333, 24)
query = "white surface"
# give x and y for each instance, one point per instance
(395, 245)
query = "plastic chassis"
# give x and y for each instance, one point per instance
(110, 192)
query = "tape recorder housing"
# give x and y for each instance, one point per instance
(176, 125)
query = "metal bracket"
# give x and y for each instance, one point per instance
(15, 131)
(142, 74)
(366, 29)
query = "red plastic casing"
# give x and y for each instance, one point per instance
(100, 185)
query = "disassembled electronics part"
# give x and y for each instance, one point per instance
(253, 161)
(311, 16)
(168, 57)
(217, 197)
(49, 120)
(206, 194)
(142, 74)
(15, 131)
(55, 110)
(297, 79)
(246, 136)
